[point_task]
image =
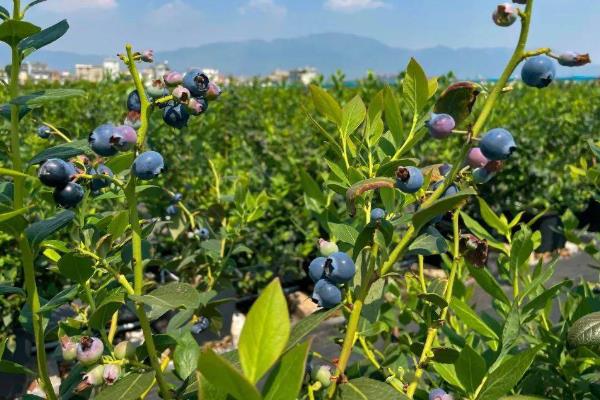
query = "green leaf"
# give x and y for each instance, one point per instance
(13, 173)
(434, 298)
(448, 373)
(169, 297)
(585, 331)
(6, 289)
(507, 375)
(285, 381)
(63, 151)
(225, 377)
(440, 207)
(130, 387)
(512, 327)
(540, 301)
(521, 248)
(12, 31)
(595, 148)
(76, 267)
(4, 13)
(393, 117)
(458, 100)
(6, 113)
(326, 104)
(368, 389)
(353, 115)
(479, 231)
(11, 214)
(39, 231)
(308, 324)
(120, 162)
(541, 278)
(429, 243)
(63, 297)
(490, 218)
(471, 319)
(11, 367)
(33, 3)
(521, 397)
(186, 355)
(43, 38)
(415, 87)
(37, 99)
(119, 224)
(265, 333)
(107, 302)
(470, 369)
(311, 187)
(488, 283)
(343, 232)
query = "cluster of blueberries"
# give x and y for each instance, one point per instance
(88, 352)
(439, 394)
(328, 271)
(189, 95)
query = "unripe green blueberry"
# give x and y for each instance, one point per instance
(95, 376)
(327, 248)
(125, 349)
(69, 348)
(111, 373)
(322, 375)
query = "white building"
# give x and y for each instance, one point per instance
(112, 68)
(88, 72)
(303, 75)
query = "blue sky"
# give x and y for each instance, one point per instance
(102, 26)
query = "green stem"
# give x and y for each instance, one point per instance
(432, 330)
(488, 107)
(350, 337)
(27, 256)
(136, 236)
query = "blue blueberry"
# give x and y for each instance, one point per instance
(450, 190)
(445, 169)
(339, 267)
(326, 294)
(68, 196)
(196, 82)
(124, 138)
(200, 326)
(573, 59)
(316, 269)
(148, 165)
(437, 394)
(377, 214)
(133, 101)
(100, 183)
(409, 179)
(43, 131)
(100, 140)
(202, 233)
(177, 197)
(176, 116)
(56, 172)
(441, 125)
(172, 210)
(497, 144)
(482, 175)
(538, 71)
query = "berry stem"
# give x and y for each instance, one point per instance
(432, 330)
(350, 337)
(136, 236)
(488, 107)
(27, 256)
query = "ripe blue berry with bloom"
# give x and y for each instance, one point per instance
(196, 82)
(505, 15)
(326, 294)
(68, 196)
(56, 172)
(176, 115)
(134, 102)
(439, 394)
(44, 132)
(123, 138)
(497, 144)
(377, 214)
(316, 269)
(100, 183)
(200, 326)
(100, 140)
(177, 197)
(148, 165)
(172, 210)
(202, 233)
(441, 126)
(482, 175)
(339, 267)
(538, 71)
(409, 179)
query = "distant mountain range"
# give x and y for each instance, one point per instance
(327, 52)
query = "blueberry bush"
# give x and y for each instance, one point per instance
(161, 197)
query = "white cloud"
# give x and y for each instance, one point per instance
(266, 6)
(67, 6)
(353, 5)
(176, 10)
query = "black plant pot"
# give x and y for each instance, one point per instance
(551, 228)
